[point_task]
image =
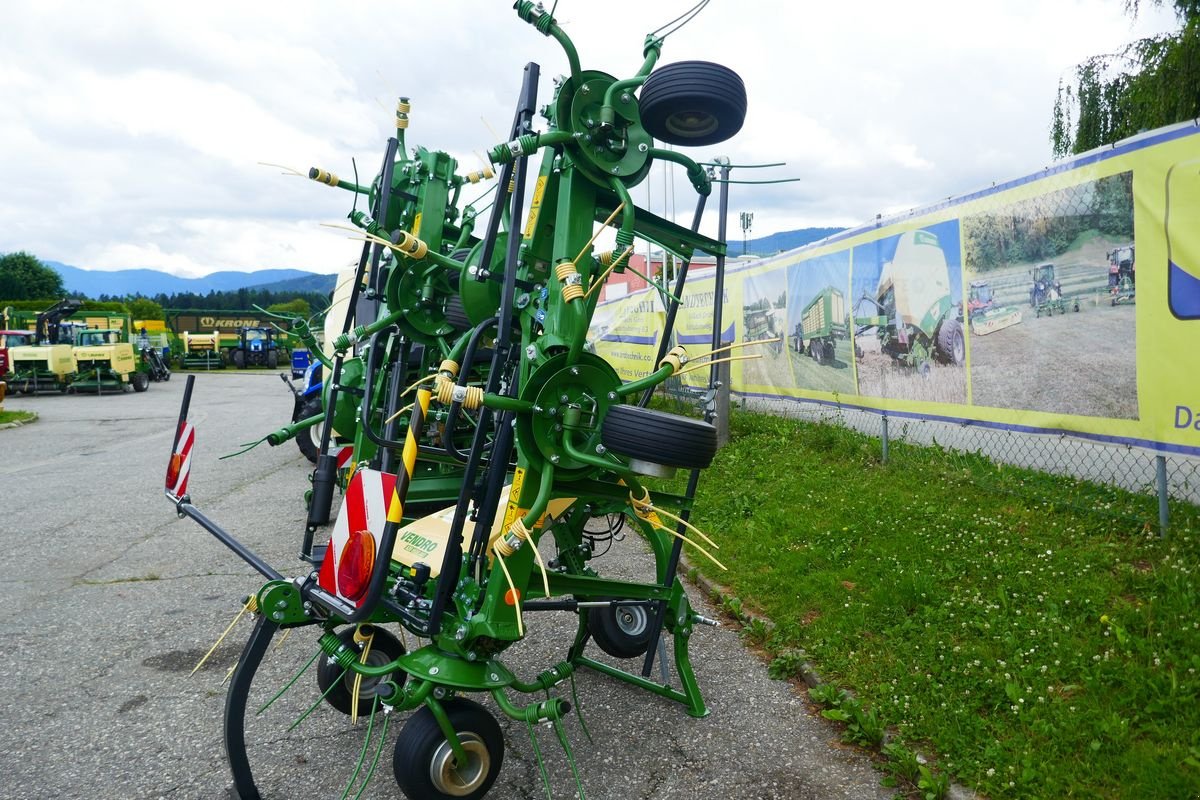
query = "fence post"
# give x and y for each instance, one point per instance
(1164, 514)
(722, 401)
(883, 436)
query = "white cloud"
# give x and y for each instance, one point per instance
(132, 130)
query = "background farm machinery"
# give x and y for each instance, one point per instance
(95, 354)
(822, 322)
(984, 315)
(1046, 292)
(1121, 274)
(916, 321)
(200, 351)
(466, 386)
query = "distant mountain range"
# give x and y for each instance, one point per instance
(150, 282)
(779, 242)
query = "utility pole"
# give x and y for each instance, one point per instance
(747, 218)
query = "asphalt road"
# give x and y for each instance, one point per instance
(112, 600)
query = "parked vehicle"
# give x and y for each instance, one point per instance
(822, 322)
(200, 351)
(256, 347)
(916, 319)
(1121, 274)
(105, 360)
(1045, 295)
(308, 404)
(46, 363)
(983, 315)
(9, 339)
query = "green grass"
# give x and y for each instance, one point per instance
(15, 416)
(1037, 649)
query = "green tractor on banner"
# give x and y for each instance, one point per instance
(466, 384)
(1046, 294)
(916, 319)
(983, 315)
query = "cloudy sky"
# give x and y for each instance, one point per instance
(131, 131)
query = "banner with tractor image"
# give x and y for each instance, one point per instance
(1020, 306)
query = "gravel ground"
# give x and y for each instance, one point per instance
(112, 600)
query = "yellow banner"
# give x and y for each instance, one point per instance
(1019, 307)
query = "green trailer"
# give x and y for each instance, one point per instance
(822, 322)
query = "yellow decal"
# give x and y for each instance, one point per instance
(416, 224)
(535, 206)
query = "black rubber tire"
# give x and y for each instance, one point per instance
(659, 437)
(456, 314)
(309, 439)
(384, 648)
(239, 359)
(272, 359)
(950, 342)
(620, 631)
(423, 762)
(140, 381)
(693, 103)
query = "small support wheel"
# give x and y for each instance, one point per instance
(657, 437)
(424, 762)
(693, 103)
(385, 648)
(140, 381)
(309, 439)
(619, 630)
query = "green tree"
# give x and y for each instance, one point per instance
(143, 308)
(23, 277)
(1150, 83)
(298, 307)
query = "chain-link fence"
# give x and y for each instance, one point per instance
(1152, 482)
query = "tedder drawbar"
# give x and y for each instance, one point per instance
(471, 390)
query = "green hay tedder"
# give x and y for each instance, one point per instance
(476, 426)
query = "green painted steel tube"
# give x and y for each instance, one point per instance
(505, 403)
(290, 431)
(546, 25)
(447, 728)
(593, 459)
(347, 340)
(545, 711)
(695, 172)
(546, 679)
(542, 500)
(651, 380)
(607, 113)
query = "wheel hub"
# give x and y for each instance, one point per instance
(691, 124)
(457, 780)
(631, 620)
